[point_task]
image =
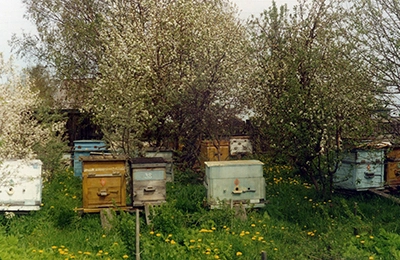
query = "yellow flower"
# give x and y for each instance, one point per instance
(151, 232)
(173, 242)
(170, 235)
(158, 234)
(54, 247)
(213, 228)
(87, 253)
(103, 236)
(74, 197)
(371, 258)
(253, 225)
(239, 253)
(52, 207)
(371, 237)
(199, 240)
(125, 256)
(362, 241)
(357, 236)
(192, 240)
(216, 257)
(40, 251)
(207, 252)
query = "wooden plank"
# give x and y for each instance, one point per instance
(385, 195)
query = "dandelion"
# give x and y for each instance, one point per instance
(74, 197)
(253, 225)
(371, 237)
(213, 228)
(247, 232)
(192, 240)
(158, 235)
(103, 236)
(199, 240)
(54, 247)
(9, 215)
(357, 236)
(170, 235)
(173, 242)
(362, 241)
(40, 251)
(216, 257)
(239, 253)
(371, 258)
(151, 232)
(125, 256)
(52, 207)
(275, 249)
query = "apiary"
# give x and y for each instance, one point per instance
(236, 181)
(361, 170)
(85, 148)
(20, 185)
(103, 182)
(149, 180)
(393, 167)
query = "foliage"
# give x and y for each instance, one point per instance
(308, 88)
(20, 129)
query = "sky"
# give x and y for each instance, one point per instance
(13, 22)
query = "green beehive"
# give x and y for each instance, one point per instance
(235, 182)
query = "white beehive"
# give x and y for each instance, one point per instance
(20, 185)
(235, 182)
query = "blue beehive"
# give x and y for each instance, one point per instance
(361, 170)
(85, 148)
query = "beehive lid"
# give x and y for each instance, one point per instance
(148, 162)
(103, 157)
(233, 163)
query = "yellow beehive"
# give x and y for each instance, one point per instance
(103, 182)
(209, 150)
(393, 167)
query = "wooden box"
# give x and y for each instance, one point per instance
(209, 150)
(236, 181)
(361, 170)
(103, 182)
(20, 185)
(149, 180)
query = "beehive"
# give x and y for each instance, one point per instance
(214, 151)
(20, 185)
(361, 170)
(167, 155)
(103, 182)
(85, 148)
(240, 145)
(393, 167)
(149, 180)
(236, 181)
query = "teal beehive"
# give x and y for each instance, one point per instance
(235, 182)
(85, 148)
(361, 170)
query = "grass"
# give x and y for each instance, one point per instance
(295, 224)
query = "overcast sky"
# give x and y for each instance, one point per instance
(12, 21)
